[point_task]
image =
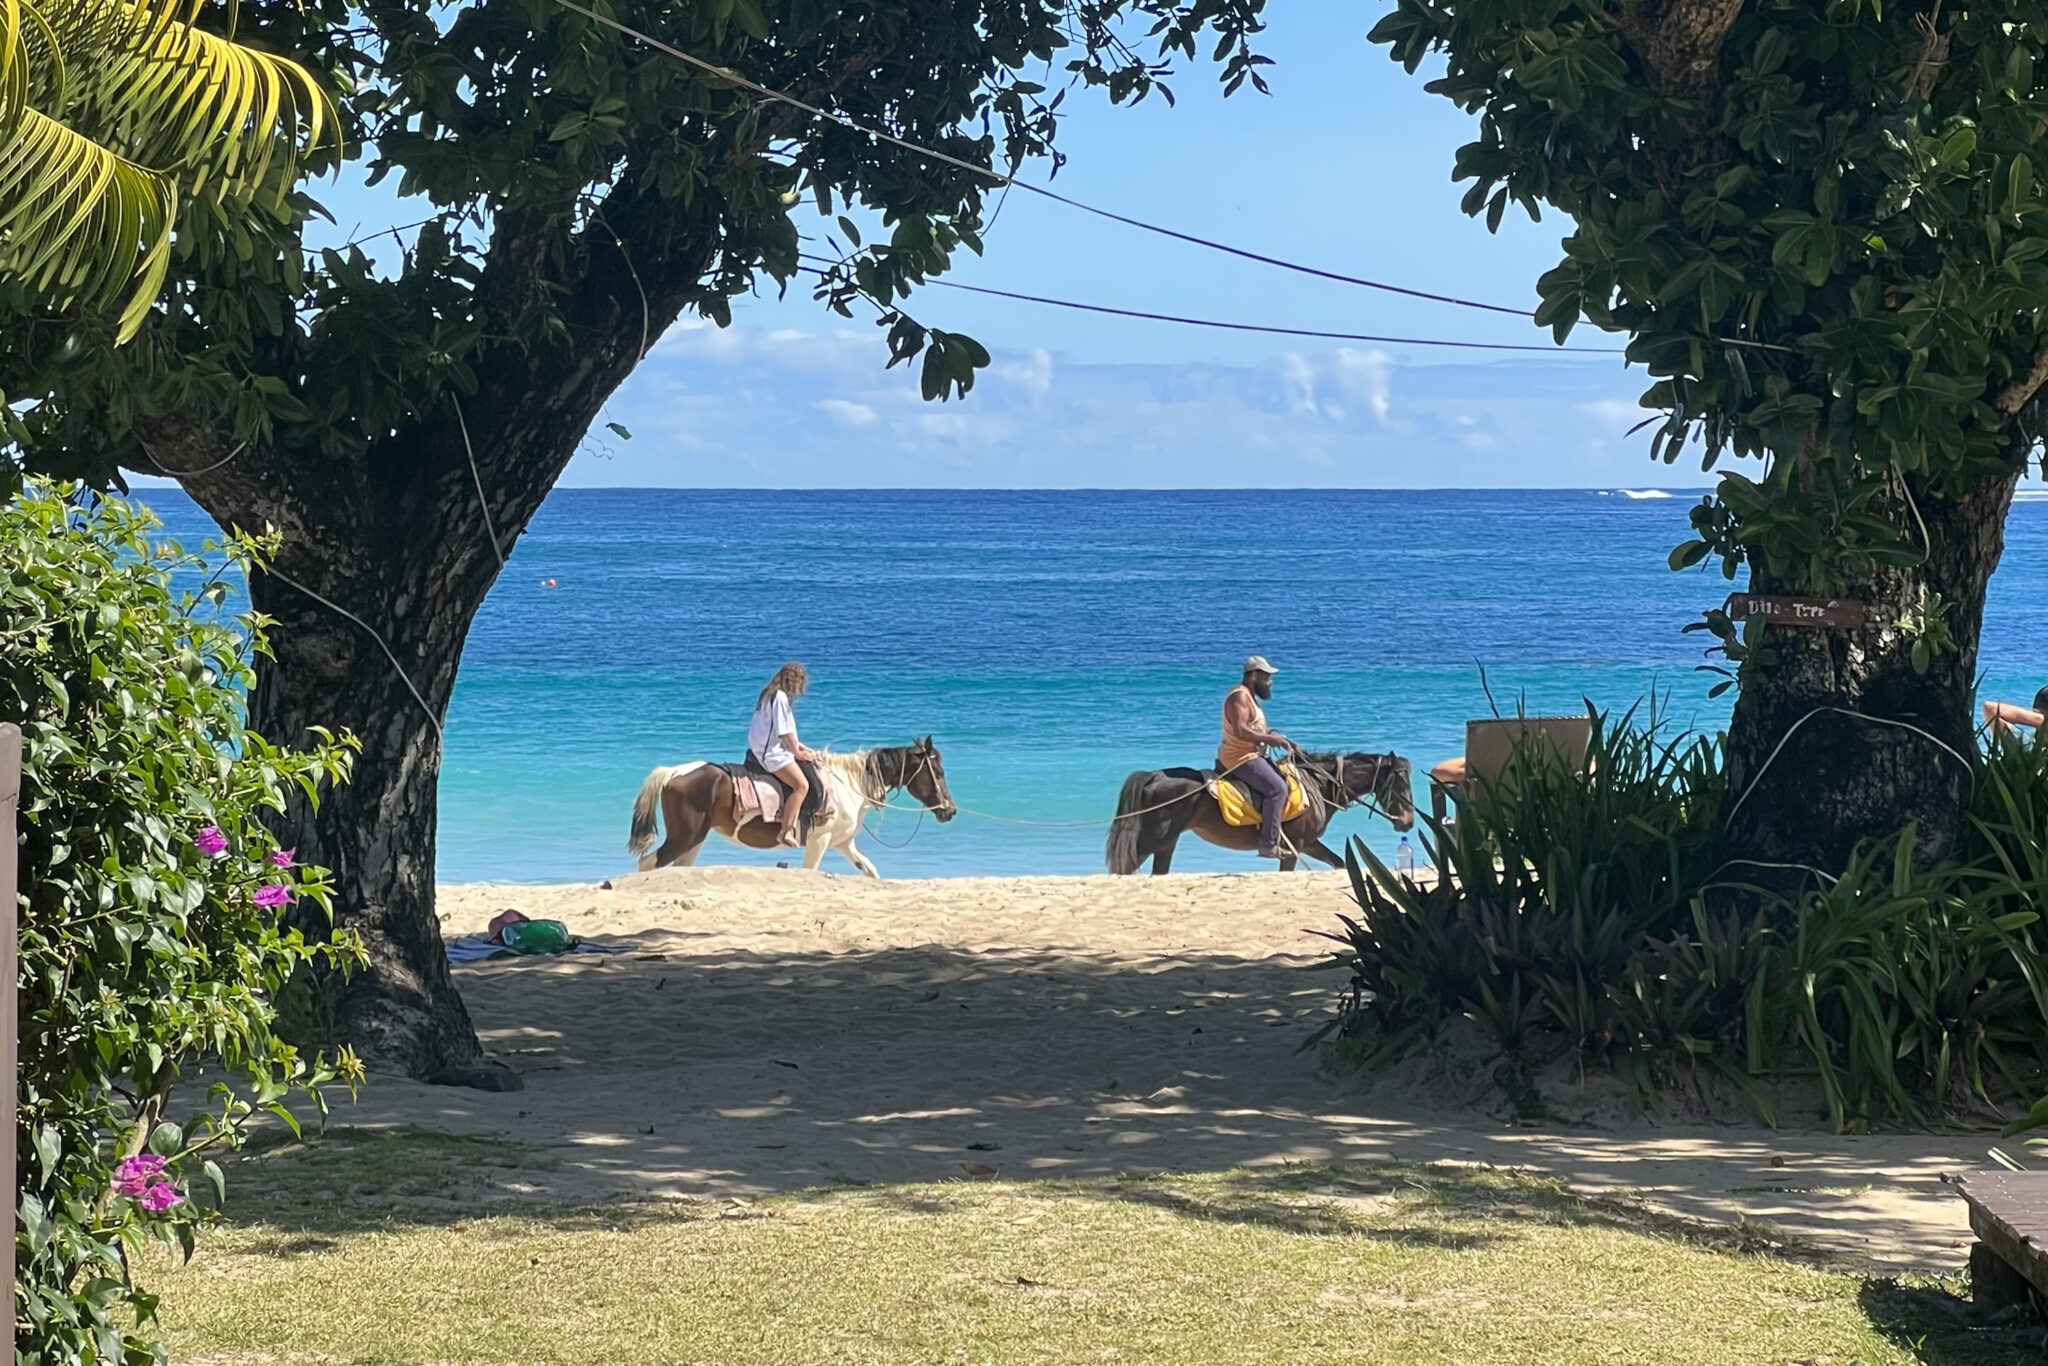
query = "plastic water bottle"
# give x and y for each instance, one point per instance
(1404, 858)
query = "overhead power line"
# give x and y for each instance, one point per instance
(1261, 327)
(1222, 325)
(766, 92)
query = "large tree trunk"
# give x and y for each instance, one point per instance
(385, 559)
(1837, 739)
(376, 833)
(373, 590)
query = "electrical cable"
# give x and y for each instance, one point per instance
(1274, 330)
(844, 121)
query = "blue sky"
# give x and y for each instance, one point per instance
(1345, 166)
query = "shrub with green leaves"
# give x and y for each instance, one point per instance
(1585, 914)
(152, 942)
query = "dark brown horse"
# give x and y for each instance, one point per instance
(1156, 808)
(696, 799)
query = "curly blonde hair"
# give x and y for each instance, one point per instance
(791, 678)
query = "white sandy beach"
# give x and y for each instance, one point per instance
(769, 1030)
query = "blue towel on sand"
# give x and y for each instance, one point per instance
(474, 948)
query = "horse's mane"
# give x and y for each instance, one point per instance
(853, 767)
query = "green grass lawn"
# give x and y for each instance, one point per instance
(353, 1250)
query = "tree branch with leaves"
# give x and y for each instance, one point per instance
(1823, 228)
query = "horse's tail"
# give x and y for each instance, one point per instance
(1121, 852)
(646, 807)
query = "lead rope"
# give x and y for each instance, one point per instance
(1370, 801)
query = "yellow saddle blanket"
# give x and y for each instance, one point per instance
(1238, 809)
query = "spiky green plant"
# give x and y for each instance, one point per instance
(1585, 913)
(112, 114)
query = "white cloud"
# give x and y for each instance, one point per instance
(1367, 375)
(848, 413)
(1614, 412)
(747, 407)
(1032, 374)
(1298, 385)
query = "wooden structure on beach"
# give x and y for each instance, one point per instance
(1491, 745)
(2009, 1215)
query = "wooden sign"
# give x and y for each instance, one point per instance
(1841, 613)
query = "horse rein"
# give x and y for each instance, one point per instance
(926, 761)
(1370, 799)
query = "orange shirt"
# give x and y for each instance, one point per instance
(1242, 719)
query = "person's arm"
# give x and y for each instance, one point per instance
(1238, 711)
(785, 724)
(2003, 716)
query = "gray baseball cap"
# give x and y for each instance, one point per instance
(1258, 664)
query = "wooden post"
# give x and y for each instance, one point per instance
(10, 1004)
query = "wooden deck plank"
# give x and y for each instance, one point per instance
(2009, 1214)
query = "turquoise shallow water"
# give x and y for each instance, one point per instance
(1052, 642)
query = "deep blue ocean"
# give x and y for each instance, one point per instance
(1054, 641)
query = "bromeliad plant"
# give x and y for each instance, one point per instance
(1573, 920)
(152, 942)
(1549, 887)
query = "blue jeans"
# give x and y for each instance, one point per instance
(1269, 793)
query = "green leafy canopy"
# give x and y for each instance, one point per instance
(540, 143)
(1823, 223)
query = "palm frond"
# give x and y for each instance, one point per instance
(80, 223)
(207, 110)
(109, 111)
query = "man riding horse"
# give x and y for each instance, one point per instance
(1156, 807)
(1242, 755)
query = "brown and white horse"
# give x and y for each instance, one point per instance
(1156, 808)
(695, 799)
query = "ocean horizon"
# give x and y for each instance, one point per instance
(1052, 641)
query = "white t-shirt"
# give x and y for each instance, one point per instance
(772, 720)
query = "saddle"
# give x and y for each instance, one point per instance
(1237, 806)
(758, 796)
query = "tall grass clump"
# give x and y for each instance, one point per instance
(1581, 915)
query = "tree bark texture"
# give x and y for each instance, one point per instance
(386, 559)
(1836, 739)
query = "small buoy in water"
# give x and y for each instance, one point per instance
(547, 583)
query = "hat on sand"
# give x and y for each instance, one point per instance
(499, 922)
(1258, 664)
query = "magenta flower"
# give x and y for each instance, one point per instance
(270, 896)
(211, 842)
(282, 858)
(135, 1174)
(160, 1197)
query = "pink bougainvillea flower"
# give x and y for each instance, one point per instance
(160, 1197)
(133, 1177)
(271, 896)
(211, 842)
(282, 858)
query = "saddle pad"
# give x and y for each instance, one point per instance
(755, 798)
(1238, 807)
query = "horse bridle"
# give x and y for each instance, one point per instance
(925, 763)
(1369, 799)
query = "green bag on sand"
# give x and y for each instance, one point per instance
(535, 936)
